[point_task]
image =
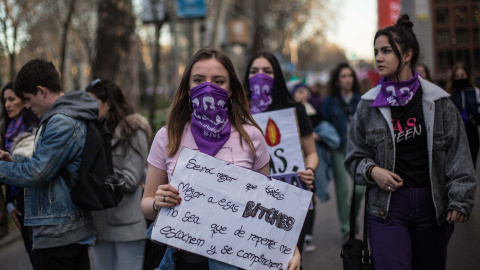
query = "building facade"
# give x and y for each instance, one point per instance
(448, 32)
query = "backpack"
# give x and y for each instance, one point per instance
(97, 186)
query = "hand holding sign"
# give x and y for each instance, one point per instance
(166, 196)
(232, 214)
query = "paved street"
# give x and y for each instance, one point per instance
(463, 250)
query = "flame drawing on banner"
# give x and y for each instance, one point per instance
(272, 133)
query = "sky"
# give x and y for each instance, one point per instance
(356, 24)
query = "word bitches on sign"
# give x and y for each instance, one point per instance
(232, 214)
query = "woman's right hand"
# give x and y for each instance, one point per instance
(294, 263)
(166, 196)
(386, 180)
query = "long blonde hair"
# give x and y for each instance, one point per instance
(180, 108)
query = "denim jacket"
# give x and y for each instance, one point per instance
(333, 112)
(452, 176)
(56, 220)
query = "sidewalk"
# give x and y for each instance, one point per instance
(13, 235)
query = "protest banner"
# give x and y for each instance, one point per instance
(281, 134)
(232, 214)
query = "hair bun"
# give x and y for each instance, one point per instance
(404, 21)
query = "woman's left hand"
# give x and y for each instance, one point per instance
(456, 216)
(307, 177)
(294, 263)
(5, 156)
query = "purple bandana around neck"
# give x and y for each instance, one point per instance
(396, 93)
(261, 86)
(209, 123)
(14, 128)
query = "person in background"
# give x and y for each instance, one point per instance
(301, 94)
(316, 97)
(325, 136)
(338, 109)
(19, 124)
(120, 231)
(424, 72)
(466, 98)
(61, 230)
(263, 69)
(237, 139)
(407, 143)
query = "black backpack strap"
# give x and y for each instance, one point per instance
(107, 144)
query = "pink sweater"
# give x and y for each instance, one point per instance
(231, 151)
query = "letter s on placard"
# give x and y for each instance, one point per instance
(284, 160)
(289, 223)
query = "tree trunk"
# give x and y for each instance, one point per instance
(156, 74)
(12, 54)
(117, 47)
(63, 46)
(258, 27)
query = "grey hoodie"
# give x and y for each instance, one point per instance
(76, 104)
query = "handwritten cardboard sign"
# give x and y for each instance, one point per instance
(281, 134)
(232, 214)
(292, 179)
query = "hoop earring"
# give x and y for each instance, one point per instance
(190, 105)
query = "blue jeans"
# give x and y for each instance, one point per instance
(168, 262)
(119, 255)
(410, 237)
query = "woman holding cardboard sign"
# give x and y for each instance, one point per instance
(226, 131)
(267, 92)
(264, 70)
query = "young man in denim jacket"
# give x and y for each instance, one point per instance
(60, 228)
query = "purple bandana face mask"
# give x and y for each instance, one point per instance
(261, 86)
(209, 123)
(396, 93)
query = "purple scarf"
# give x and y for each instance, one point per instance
(261, 86)
(209, 123)
(14, 128)
(396, 93)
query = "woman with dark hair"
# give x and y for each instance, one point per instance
(407, 143)
(338, 109)
(466, 98)
(17, 139)
(267, 91)
(263, 69)
(233, 137)
(120, 231)
(424, 72)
